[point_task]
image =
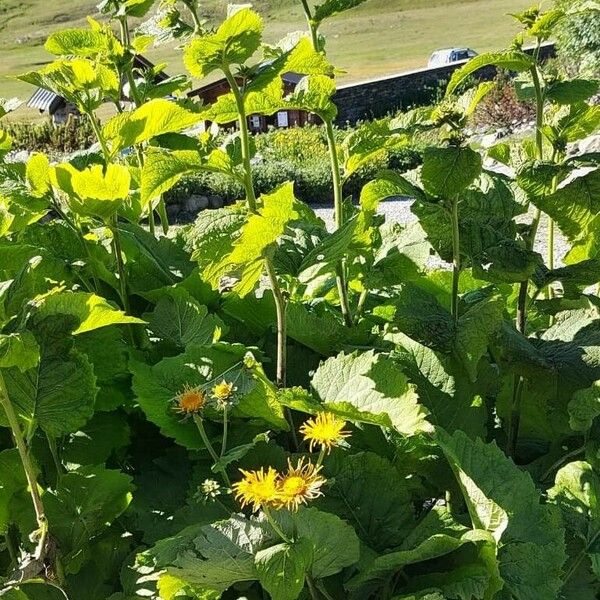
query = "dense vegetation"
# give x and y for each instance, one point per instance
(255, 407)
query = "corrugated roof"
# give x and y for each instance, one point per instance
(45, 100)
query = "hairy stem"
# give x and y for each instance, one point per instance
(280, 309)
(210, 447)
(38, 506)
(275, 525)
(312, 25)
(225, 427)
(455, 261)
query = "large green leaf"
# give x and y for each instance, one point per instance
(442, 386)
(367, 491)
(59, 393)
(13, 481)
(584, 407)
(19, 350)
(281, 568)
(86, 43)
(438, 534)
(89, 310)
(512, 60)
(332, 7)
(154, 118)
(179, 319)
(95, 191)
(577, 493)
(257, 238)
(369, 388)
(83, 505)
(448, 171)
(503, 500)
(234, 42)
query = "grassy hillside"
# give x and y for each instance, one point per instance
(380, 37)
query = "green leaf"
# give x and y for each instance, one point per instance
(572, 91)
(334, 542)
(234, 42)
(86, 43)
(475, 329)
(584, 407)
(448, 171)
(512, 60)
(59, 393)
(162, 170)
(90, 311)
(577, 493)
(330, 8)
(95, 191)
(368, 492)
(154, 118)
(369, 388)
(281, 568)
(13, 481)
(19, 350)
(213, 557)
(504, 501)
(257, 238)
(83, 505)
(181, 320)
(438, 534)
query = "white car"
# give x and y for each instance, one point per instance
(447, 56)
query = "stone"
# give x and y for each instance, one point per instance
(196, 203)
(216, 202)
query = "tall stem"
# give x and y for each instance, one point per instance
(280, 302)
(275, 525)
(225, 428)
(455, 261)
(210, 448)
(114, 228)
(312, 26)
(38, 506)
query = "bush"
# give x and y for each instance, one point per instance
(578, 36)
(76, 134)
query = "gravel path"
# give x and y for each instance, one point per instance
(399, 211)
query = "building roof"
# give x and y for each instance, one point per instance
(45, 100)
(290, 77)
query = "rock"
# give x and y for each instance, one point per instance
(216, 201)
(196, 203)
(172, 211)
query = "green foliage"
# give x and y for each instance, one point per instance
(256, 406)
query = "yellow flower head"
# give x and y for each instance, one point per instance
(299, 485)
(190, 400)
(223, 391)
(325, 431)
(258, 488)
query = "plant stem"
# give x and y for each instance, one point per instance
(314, 594)
(455, 261)
(321, 587)
(361, 305)
(225, 425)
(245, 138)
(312, 26)
(280, 309)
(275, 525)
(114, 228)
(210, 448)
(99, 136)
(563, 459)
(321, 457)
(38, 506)
(280, 302)
(515, 416)
(55, 457)
(195, 18)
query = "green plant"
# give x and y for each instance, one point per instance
(191, 415)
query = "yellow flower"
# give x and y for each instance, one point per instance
(190, 400)
(258, 488)
(223, 391)
(325, 430)
(299, 485)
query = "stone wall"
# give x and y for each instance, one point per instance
(377, 97)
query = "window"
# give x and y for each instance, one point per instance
(255, 122)
(282, 119)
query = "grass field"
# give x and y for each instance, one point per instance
(379, 37)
